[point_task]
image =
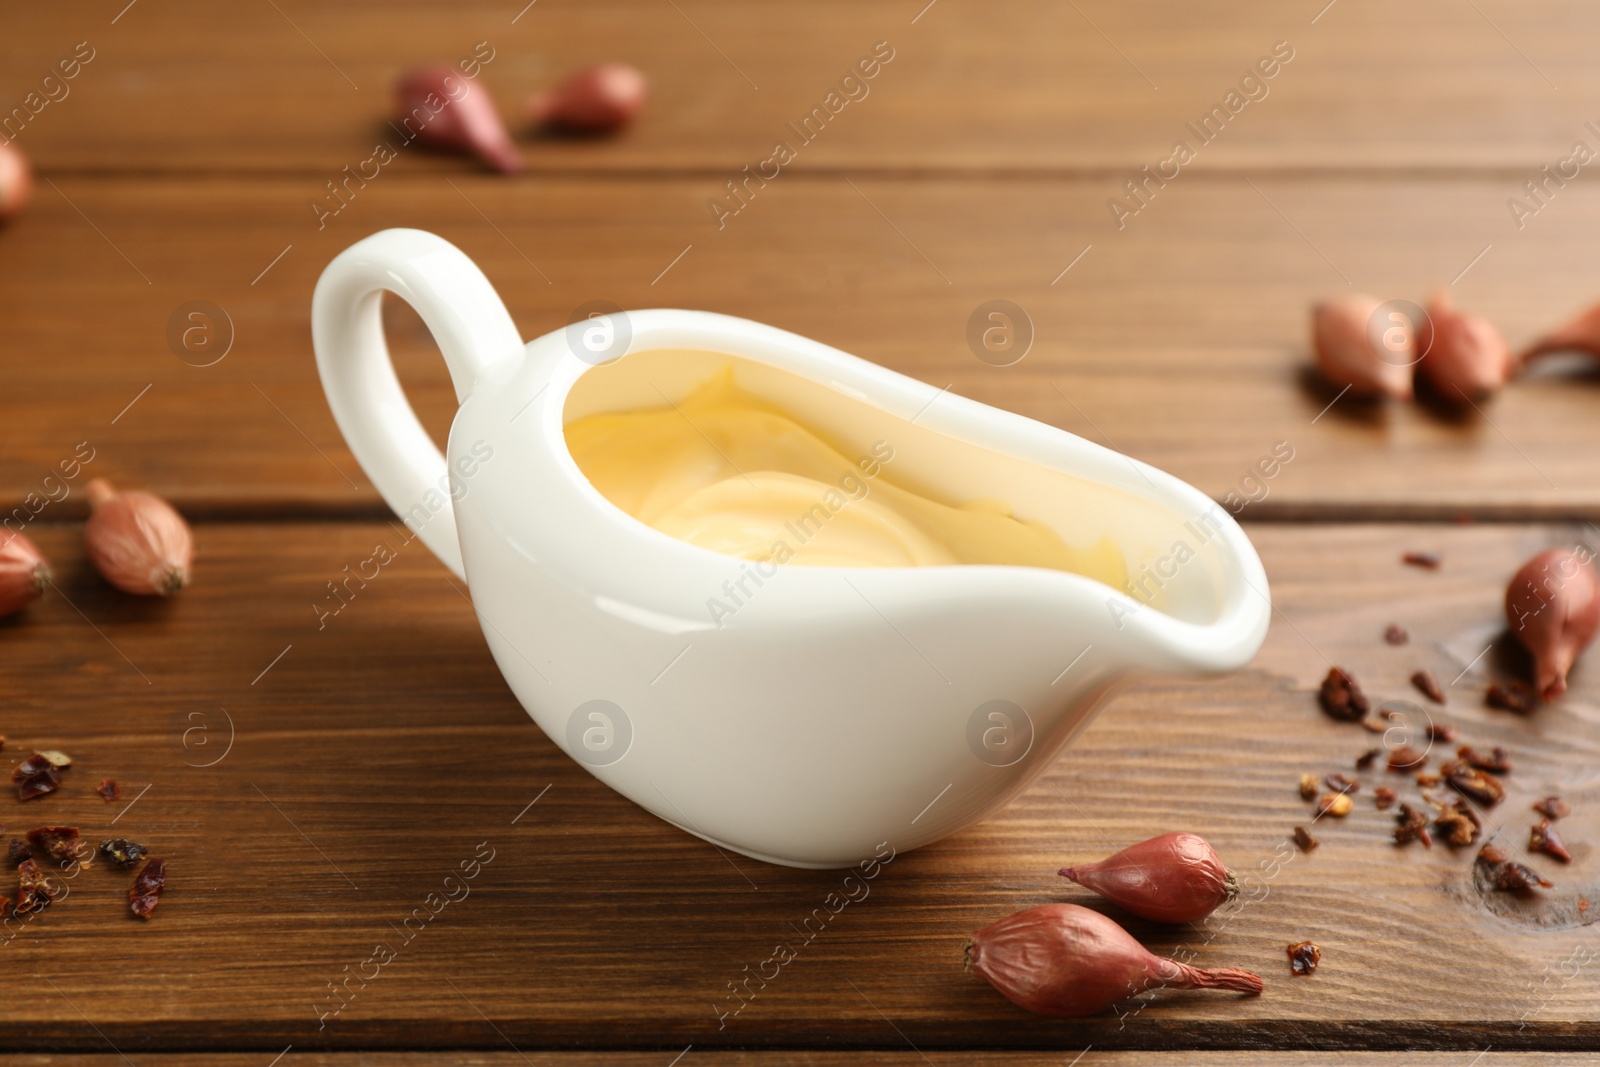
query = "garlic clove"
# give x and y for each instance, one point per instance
(1464, 356)
(16, 180)
(1346, 354)
(1553, 608)
(23, 572)
(598, 99)
(137, 541)
(442, 108)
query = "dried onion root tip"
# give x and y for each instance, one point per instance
(1067, 961)
(1465, 357)
(446, 110)
(16, 181)
(1346, 355)
(1553, 609)
(598, 99)
(24, 572)
(1174, 878)
(137, 541)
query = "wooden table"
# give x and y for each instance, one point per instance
(311, 786)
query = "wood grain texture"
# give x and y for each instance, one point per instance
(1181, 340)
(1019, 85)
(802, 1058)
(373, 756)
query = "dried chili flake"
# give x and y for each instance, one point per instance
(1443, 733)
(30, 767)
(1458, 825)
(1396, 634)
(1583, 904)
(1404, 758)
(146, 891)
(37, 785)
(1308, 787)
(1340, 784)
(109, 789)
(1497, 761)
(1384, 797)
(1428, 686)
(1413, 826)
(1335, 804)
(1367, 758)
(1553, 808)
(1342, 698)
(1303, 838)
(1304, 957)
(1475, 785)
(34, 889)
(57, 842)
(1427, 560)
(1543, 838)
(1505, 873)
(122, 852)
(1511, 696)
(16, 851)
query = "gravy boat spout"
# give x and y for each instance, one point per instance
(803, 715)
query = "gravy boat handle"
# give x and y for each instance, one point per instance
(473, 330)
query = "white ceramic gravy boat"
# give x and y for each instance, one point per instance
(836, 708)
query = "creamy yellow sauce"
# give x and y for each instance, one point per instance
(728, 471)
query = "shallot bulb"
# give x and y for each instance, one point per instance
(137, 541)
(1581, 333)
(1060, 959)
(23, 572)
(598, 99)
(1174, 878)
(1466, 356)
(1553, 607)
(16, 180)
(442, 108)
(1348, 355)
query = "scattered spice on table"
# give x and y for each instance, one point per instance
(1404, 758)
(1426, 560)
(1340, 784)
(1308, 787)
(1510, 696)
(58, 842)
(1396, 634)
(1367, 758)
(1341, 697)
(1543, 838)
(34, 889)
(1474, 784)
(1428, 686)
(109, 789)
(1413, 826)
(1303, 838)
(146, 891)
(1458, 824)
(1384, 797)
(1304, 957)
(16, 851)
(1506, 874)
(1583, 904)
(37, 775)
(1497, 761)
(122, 852)
(1335, 804)
(1441, 732)
(1553, 808)
(1373, 726)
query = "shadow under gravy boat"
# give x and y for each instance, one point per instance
(835, 709)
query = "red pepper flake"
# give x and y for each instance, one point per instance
(122, 852)
(1441, 732)
(1507, 874)
(34, 889)
(1426, 560)
(1342, 698)
(1384, 797)
(1496, 762)
(1413, 826)
(1304, 957)
(1475, 785)
(37, 785)
(1458, 824)
(1303, 838)
(1583, 904)
(1543, 838)
(1428, 686)
(1340, 784)
(58, 842)
(1367, 758)
(1553, 808)
(1396, 635)
(16, 851)
(147, 888)
(1511, 696)
(109, 789)
(1404, 758)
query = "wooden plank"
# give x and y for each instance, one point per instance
(805, 1058)
(371, 757)
(1027, 84)
(1181, 340)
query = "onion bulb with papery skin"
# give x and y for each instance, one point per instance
(1174, 878)
(1063, 960)
(137, 541)
(1465, 357)
(1553, 608)
(1341, 337)
(443, 108)
(16, 180)
(598, 99)
(23, 572)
